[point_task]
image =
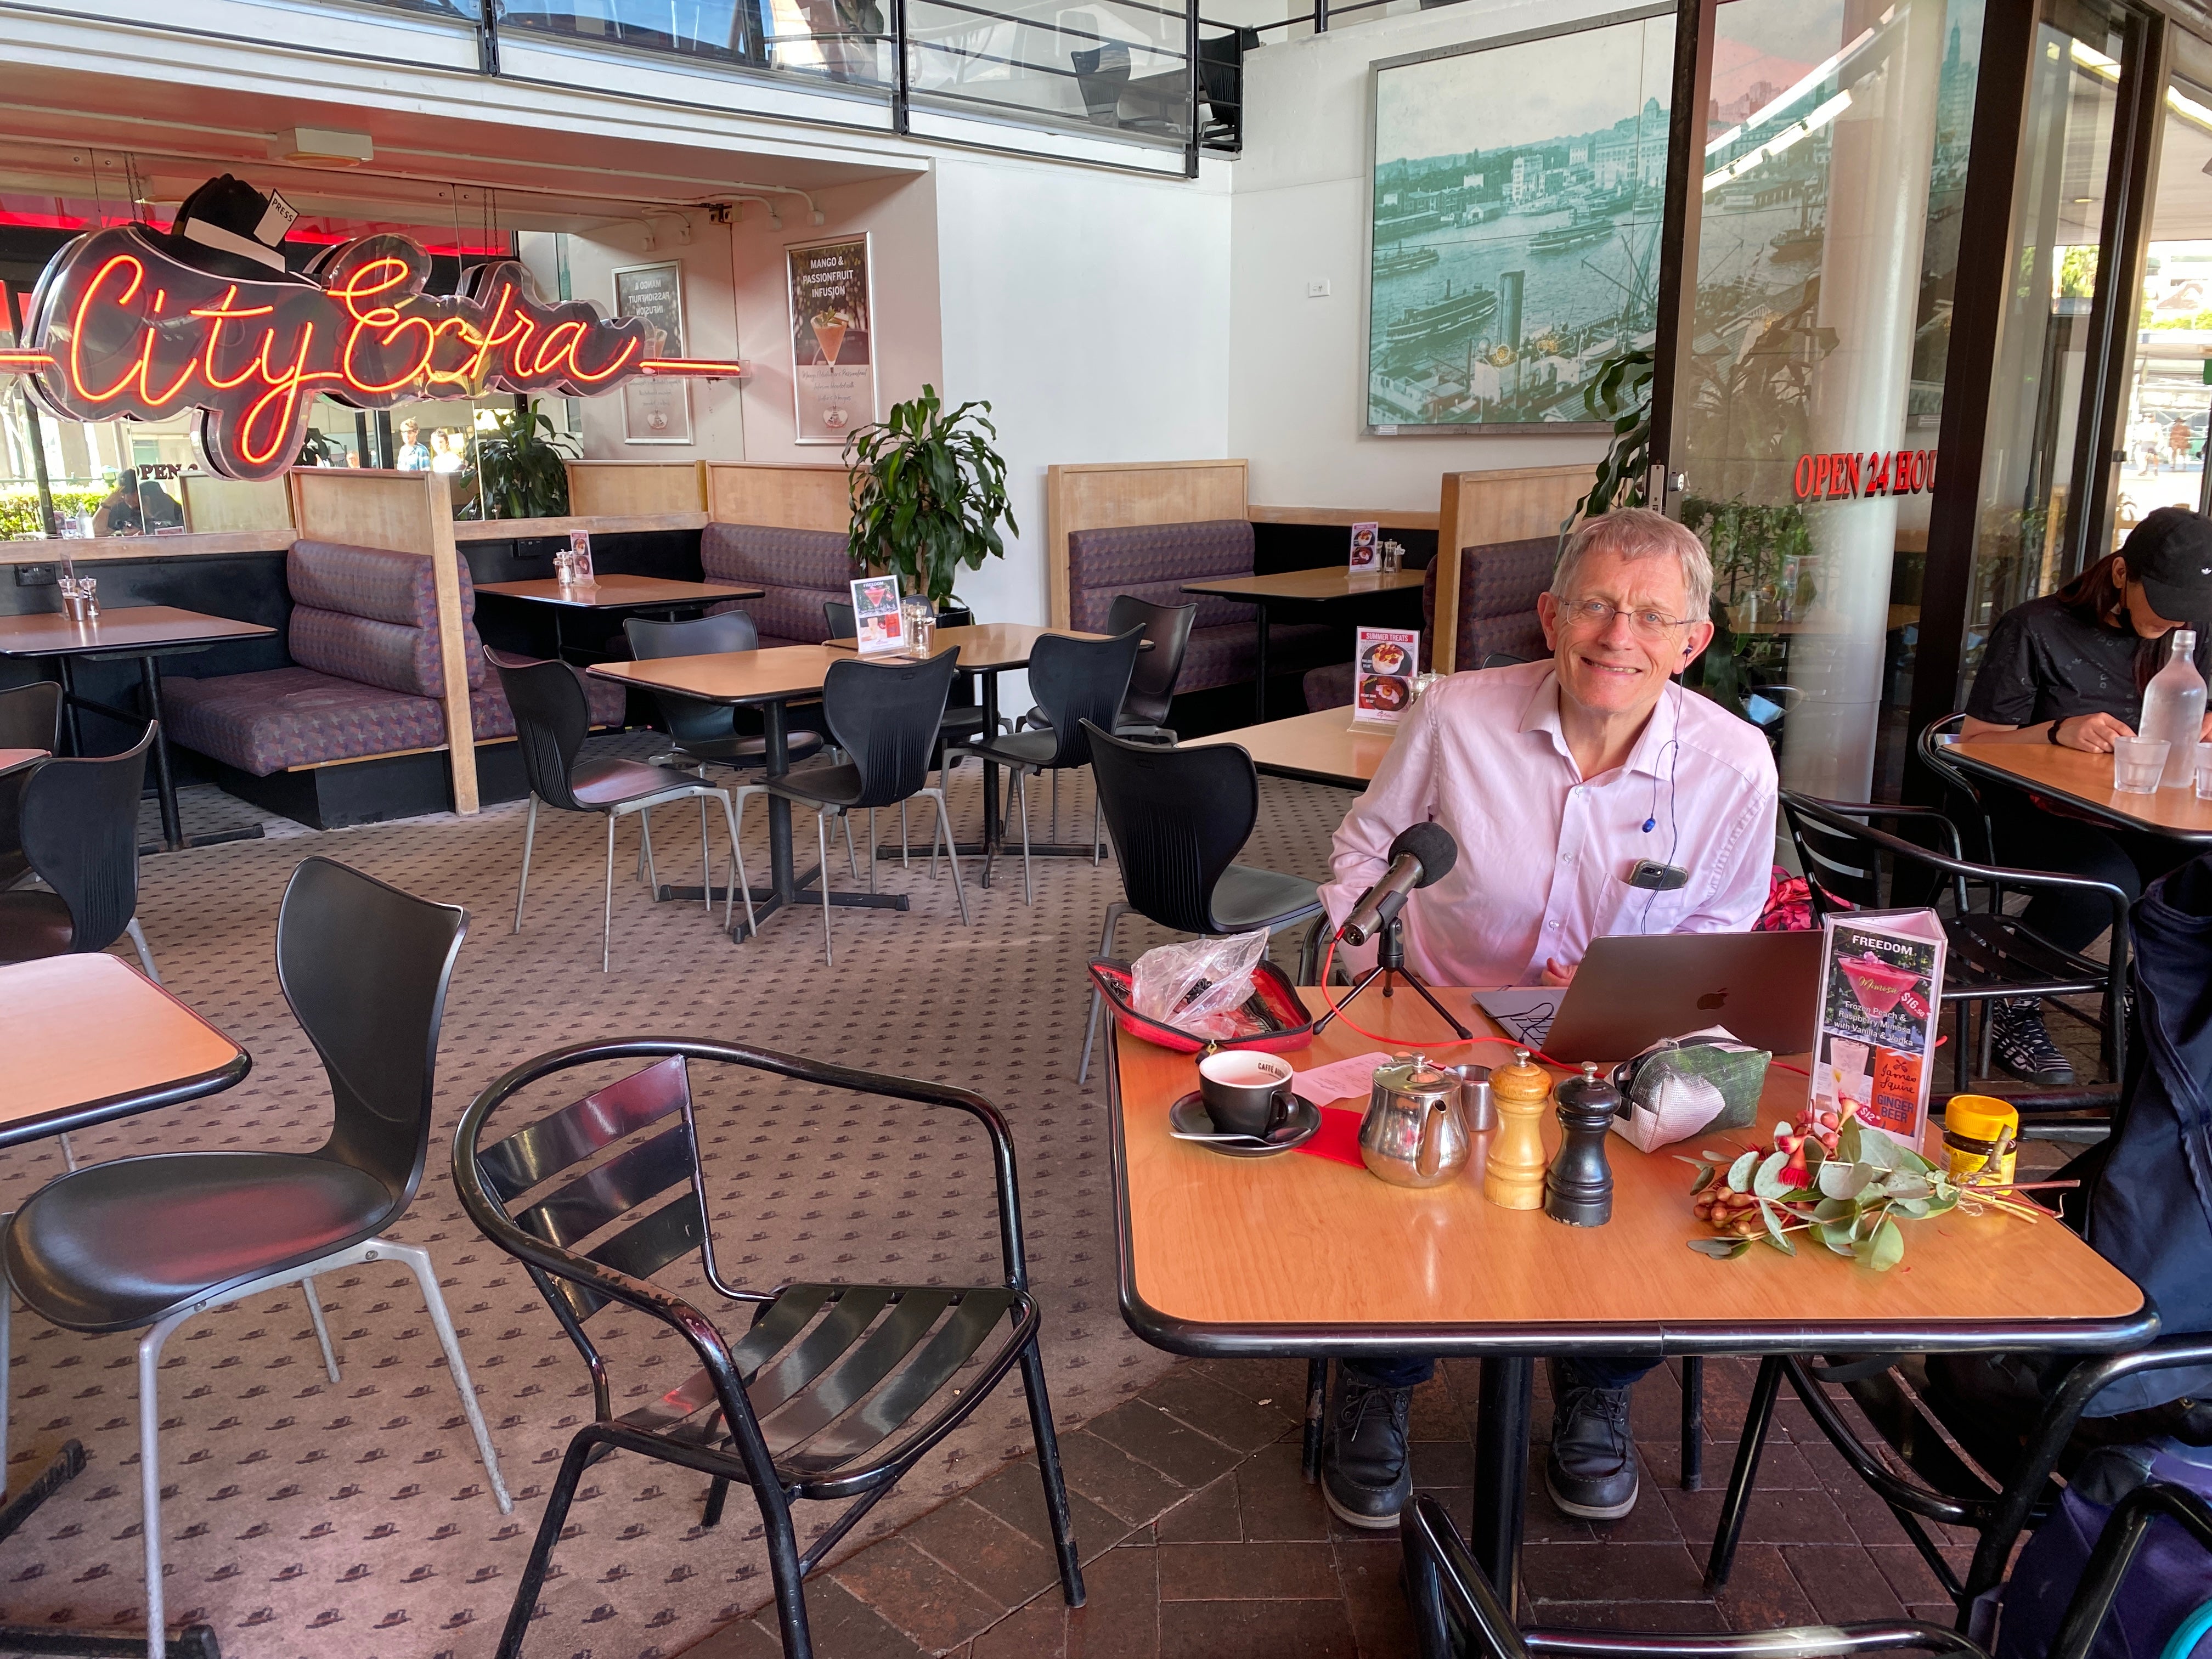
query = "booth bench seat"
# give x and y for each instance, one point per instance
(1497, 589)
(1152, 561)
(364, 697)
(799, 569)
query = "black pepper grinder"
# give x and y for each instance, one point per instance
(1578, 1186)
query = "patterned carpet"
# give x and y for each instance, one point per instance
(305, 1517)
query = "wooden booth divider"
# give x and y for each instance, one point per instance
(404, 513)
(780, 495)
(623, 489)
(1113, 495)
(1512, 504)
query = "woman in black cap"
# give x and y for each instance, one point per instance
(2069, 669)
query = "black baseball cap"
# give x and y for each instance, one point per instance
(2169, 553)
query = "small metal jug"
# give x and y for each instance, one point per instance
(1413, 1135)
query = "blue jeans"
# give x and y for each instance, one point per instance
(1591, 1371)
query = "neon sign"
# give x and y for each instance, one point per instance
(1851, 475)
(120, 328)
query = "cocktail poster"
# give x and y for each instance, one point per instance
(1367, 549)
(1386, 658)
(878, 617)
(1881, 990)
(656, 409)
(833, 355)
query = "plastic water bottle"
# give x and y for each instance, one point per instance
(2174, 710)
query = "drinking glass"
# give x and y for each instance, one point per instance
(2137, 763)
(2205, 771)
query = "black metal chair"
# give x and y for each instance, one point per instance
(1178, 817)
(885, 715)
(1938, 1485)
(1990, 955)
(1080, 686)
(834, 1392)
(1456, 1610)
(78, 826)
(1936, 740)
(703, 733)
(551, 720)
(148, 1243)
(30, 718)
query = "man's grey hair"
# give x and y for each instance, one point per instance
(1637, 532)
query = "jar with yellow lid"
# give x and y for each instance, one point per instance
(1974, 1127)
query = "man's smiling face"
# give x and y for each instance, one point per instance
(1616, 668)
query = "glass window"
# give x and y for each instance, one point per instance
(1806, 413)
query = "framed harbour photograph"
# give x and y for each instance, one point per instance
(655, 411)
(1513, 243)
(833, 355)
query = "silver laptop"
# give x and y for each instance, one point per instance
(1632, 991)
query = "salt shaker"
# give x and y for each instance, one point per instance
(87, 599)
(1514, 1177)
(1578, 1187)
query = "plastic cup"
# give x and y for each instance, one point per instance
(2205, 771)
(2137, 763)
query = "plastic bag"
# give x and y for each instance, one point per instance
(1198, 985)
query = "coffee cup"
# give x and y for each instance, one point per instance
(1245, 1093)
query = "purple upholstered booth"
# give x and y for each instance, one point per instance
(1497, 589)
(367, 678)
(800, 568)
(1153, 562)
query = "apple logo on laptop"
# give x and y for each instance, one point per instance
(1712, 999)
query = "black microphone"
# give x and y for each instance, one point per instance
(1422, 854)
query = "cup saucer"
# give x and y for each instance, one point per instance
(1187, 1120)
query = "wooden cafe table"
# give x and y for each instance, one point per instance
(613, 594)
(2085, 780)
(1320, 747)
(91, 1039)
(1297, 1255)
(1331, 584)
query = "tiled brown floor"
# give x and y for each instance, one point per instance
(1203, 1539)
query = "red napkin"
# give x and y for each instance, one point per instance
(1338, 1138)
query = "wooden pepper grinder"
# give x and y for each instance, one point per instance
(1514, 1178)
(1578, 1187)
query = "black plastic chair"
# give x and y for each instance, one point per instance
(1143, 712)
(705, 733)
(154, 1242)
(1990, 955)
(1939, 1485)
(885, 715)
(1455, 1611)
(957, 726)
(1077, 683)
(550, 721)
(1178, 817)
(78, 826)
(30, 718)
(834, 1392)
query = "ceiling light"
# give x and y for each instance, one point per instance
(322, 147)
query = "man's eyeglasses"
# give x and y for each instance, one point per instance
(1597, 615)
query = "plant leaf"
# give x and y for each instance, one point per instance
(1887, 1246)
(1720, 1250)
(1705, 1174)
(1768, 1183)
(1774, 1234)
(1739, 1175)
(1841, 1180)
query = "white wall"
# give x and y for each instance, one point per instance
(1297, 366)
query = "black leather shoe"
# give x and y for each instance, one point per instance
(1591, 1472)
(1365, 1475)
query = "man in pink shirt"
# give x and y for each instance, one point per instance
(1556, 779)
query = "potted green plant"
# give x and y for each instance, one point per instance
(929, 493)
(515, 469)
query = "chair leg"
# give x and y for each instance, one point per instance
(1055, 1488)
(951, 853)
(541, 1550)
(1097, 843)
(1028, 882)
(150, 1476)
(822, 848)
(1115, 912)
(322, 1329)
(7, 1309)
(145, 950)
(644, 836)
(706, 860)
(1694, 1423)
(426, 1276)
(607, 916)
(1316, 1417)
(712, 1515)
(852, 862)
(1961, 1037)
(902, 845)
(529, 835)
(871, 844)
(69, 1156)
(1746, 1474)
(739, 881)
(1054, 834)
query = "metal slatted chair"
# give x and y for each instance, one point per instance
(835, 1391)
(1449, 1594)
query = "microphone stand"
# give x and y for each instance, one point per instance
(1389, 963)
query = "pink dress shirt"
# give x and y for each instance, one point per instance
(1544, 855)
